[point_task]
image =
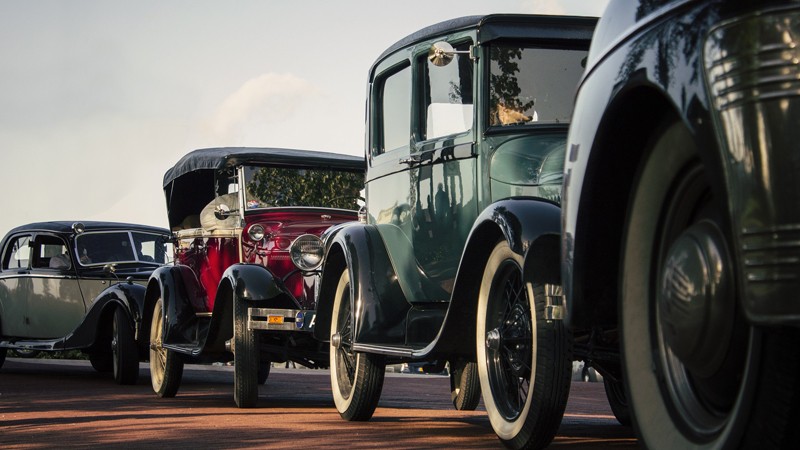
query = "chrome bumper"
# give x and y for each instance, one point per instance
(280, 319)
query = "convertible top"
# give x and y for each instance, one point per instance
(222, 157)
(189, 184)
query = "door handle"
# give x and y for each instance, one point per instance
(411, 160)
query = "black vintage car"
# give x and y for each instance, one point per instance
(681, 249)
(80, 286)
(248, 224)
(457, 259)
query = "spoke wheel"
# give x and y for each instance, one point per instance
(524, 363)
(125, 355)
(465, 385)
(356, 378)
(166, 366)
(245, 359)
(693, 365)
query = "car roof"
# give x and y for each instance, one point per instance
(493, 26)
(65, 226)
(222, 157)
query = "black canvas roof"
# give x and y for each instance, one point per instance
(222, 157)
(189, 184)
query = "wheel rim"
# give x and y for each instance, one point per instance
(345, 358)
(158, 355)
(702, 343)
(508, 341)
(115, 345)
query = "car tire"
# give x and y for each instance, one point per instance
(615, 393)
(166, 366)
(263, 371)
(707, 379)
(123, 349)
(2, 357)
(102, 361)
(245, 358)
(356, 378)
(525, 383)
(465, 385)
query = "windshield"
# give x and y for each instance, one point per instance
(99, 248)
(532, 85)
(279, 186)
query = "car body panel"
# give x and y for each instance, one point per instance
(461, 177)
(216, 198)
(47, 305)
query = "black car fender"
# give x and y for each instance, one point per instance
(97, 322)
(373, 281)
(532, 228)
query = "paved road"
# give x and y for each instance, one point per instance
(63, 404)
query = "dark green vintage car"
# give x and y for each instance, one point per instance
(457, 260)
(79, 286)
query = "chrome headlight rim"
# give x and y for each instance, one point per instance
(256, 233)
(307, 252)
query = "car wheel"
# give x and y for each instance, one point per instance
(166, 366)
(615, 392)
(263, 370)
(123, 349)
(465, 386)
(524, 362)
(698, 374)
(245, 359)
(356, 378)
(102, 361)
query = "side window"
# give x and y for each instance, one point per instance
(50, 252)
(448, 95)
(18, 253)
(395, 110)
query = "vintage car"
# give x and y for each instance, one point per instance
(248, 224)
(681, 261)
(80, 286)
(457, 260)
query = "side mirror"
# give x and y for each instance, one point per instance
(442, 53)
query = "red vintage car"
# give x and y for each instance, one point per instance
(248, 225)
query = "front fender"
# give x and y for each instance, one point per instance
(129, 296)
(532, 228)
(381, 305)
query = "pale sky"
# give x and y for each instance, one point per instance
(98, 98)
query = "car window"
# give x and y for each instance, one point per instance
(448, 95)
(49, 249)
(108, 247)
(17, 253)
(280, 186)
(153, 248)
(532, 85)
(395, 109)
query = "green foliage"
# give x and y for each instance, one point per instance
(504, 85)
(275, 186)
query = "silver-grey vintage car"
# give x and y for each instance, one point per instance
(78, 286)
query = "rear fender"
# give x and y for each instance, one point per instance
(532, 228)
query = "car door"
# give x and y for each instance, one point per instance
(420, 190)
(15, 285)
(55, 303)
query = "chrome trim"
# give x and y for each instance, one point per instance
(555, 302)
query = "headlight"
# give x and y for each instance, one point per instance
(307, 252)
(256, 233)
